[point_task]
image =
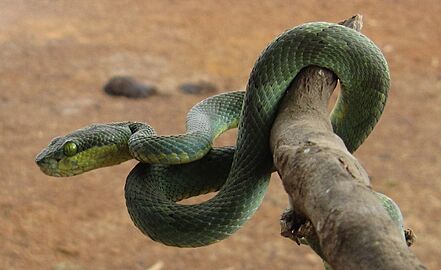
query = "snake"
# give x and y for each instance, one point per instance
(175, 167)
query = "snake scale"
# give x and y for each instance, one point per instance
(175, 167)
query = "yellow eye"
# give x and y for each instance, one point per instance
(70, 149)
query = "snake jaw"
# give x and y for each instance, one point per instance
(47, 160)
(51, 164)
(47, 166)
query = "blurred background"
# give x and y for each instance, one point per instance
(57, 55)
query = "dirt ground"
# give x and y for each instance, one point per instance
(56, 55)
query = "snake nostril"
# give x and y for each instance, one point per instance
(39, 159)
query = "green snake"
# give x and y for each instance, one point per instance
(176, 167)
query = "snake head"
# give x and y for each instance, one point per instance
(95, 146)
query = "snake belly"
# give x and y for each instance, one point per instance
(242, 176)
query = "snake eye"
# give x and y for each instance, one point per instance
(70, 149)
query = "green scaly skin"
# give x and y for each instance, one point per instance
(241, 176)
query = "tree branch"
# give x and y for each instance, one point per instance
(327, 187)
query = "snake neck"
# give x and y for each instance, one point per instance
(205, 122)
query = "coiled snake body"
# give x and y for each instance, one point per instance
(177, 167)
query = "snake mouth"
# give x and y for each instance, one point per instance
(54, 167)
(50, 167)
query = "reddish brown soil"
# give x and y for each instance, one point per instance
(56, 55)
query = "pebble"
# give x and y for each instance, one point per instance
(128, 87)
(196, 88)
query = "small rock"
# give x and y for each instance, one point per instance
(388, 48)
(157, 266)
(128, 87)
(67, 266)
(200, 87)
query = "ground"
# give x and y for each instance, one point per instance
(56, 55)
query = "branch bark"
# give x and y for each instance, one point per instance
(327, 186)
